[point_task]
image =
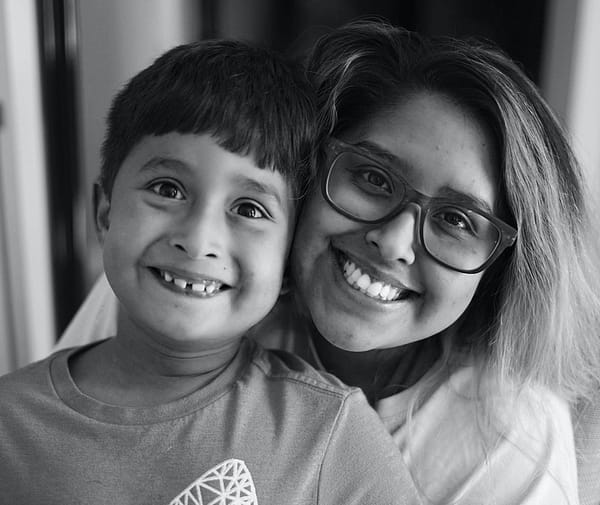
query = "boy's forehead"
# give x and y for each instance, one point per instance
(191, 155)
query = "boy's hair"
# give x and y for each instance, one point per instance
(535, 316)
(250, 99)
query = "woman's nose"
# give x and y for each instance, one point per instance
(396, 239)
(200, 233)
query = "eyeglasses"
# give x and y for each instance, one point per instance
(459, 236)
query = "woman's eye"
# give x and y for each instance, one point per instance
(167, 189)
(375, 180)
(250, 210)
(454, 218)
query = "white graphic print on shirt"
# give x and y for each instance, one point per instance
(228, 483)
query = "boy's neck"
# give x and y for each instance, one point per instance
(136, 371)
(151, 358)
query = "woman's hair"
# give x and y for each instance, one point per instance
(535, 316)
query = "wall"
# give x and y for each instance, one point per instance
(26, 305)
(116, 40)
(571, 77)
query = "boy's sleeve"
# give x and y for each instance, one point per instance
(362, 465)
(95, 320)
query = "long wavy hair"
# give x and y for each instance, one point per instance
(535, 317)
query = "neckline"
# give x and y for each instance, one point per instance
(74, 398)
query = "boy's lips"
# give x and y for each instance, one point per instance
(373, 284)
(191, 283)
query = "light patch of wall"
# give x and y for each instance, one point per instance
(26, 304)
(117, 39)
(571, 77)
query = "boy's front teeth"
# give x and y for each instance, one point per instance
(180, 283)
(207, 287)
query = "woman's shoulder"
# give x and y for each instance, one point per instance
(482, 440)
(529, 417)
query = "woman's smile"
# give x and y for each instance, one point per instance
(372, 284)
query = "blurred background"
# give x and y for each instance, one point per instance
(61, 61)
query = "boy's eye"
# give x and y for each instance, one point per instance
(167, 189)
(250, 210)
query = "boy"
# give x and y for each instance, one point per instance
(206, 155)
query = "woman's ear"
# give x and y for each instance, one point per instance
(101, 211)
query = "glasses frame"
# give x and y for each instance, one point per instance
(337, 147)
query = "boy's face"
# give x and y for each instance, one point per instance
(195, 240)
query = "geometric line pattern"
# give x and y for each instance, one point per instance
(228, 483)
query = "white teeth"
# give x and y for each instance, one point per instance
(349, 267)
(364, 283)
(198, 287)
(385, 289)
(354, 276)
(202, 287)
(375, 289)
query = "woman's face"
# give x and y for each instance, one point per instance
(443, 150)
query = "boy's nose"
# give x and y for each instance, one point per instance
(396, 239)
(200, 234)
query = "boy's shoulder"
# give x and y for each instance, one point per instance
(28, 373)
(27, 382)
(280, 365)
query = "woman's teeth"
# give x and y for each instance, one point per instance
(370, 287)
(203, 287)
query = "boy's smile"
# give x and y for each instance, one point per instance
(195, 240)
(202, 287)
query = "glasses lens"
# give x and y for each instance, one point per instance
(362, 188)
(460, 238)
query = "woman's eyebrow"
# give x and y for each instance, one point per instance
(393, 161)
(379, 152)
(466, 199)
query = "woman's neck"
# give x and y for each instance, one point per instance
(382, 372)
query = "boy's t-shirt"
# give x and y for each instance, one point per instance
(529, 458)
(268, 430)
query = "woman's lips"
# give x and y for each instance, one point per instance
(370, 285)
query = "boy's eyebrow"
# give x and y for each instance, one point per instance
(168, 162)
(245, 183)
(459, 197)
(250, 184)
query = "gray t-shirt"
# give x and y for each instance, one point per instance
(268, 430)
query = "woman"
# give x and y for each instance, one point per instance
(442, 263)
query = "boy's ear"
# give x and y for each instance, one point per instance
(101, 211)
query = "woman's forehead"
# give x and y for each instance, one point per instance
(437, 144)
